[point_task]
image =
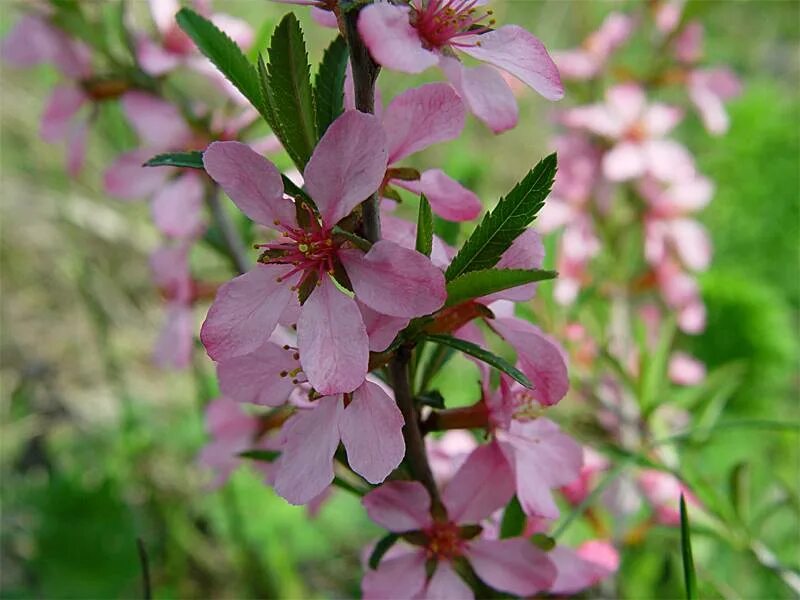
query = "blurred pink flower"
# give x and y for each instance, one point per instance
(663, 491)
(708, 91)
(232, 431)
(480, 487)
(171, 274)
(590, 58)
(685, 369)
(347, 166)
(412, 38)
(579, 569)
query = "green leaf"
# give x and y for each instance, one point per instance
(329, 84)
(381, 548)
(424, 227)
(190, 160)
(488, 281)
(689, 577)
(262, 455)
(500, 227)
(513, 522)
(543, 542)
(484, 355)
(291, 94)
(223, 52)
(433, 398)
(739, 489)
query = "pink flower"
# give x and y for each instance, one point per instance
(480, 487)
(232, 432)
(411, 38)
(593, 464)
(685, 369)
(447, 453)
(579, 569)
(663, 491)
(587, 61)
(171, 273)
(682, 294)
(321, 10)
(34, 41)
(708, 91)
(415, 120)
(367, 422)
(347, 166)
(638, 131)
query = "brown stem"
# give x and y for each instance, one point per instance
(365, 73)
(469, 417)
(233, 242)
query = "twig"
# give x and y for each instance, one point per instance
(147, 590)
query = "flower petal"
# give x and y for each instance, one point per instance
(245, 311)
(173, 350)
(514, 565)
(525, 252)
(396, 577)
(446, 584)
(64, 103)
(158, 123)
(347, 165)
(539, 357)
(485, 92)
(251, 181)
(256, 377)
(178, 207)
(381, 329)
(392, 41)
(394, 280)
(154, 59)
(519, 52)
(76, 146)
(310, 439)
(449, 199)
(127, 179)
(624, 161)
(332, 339)
(371, 430)
(575, 573)
(399, 506)
(421, 117)
(483, 484)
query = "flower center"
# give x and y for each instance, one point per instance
(444, 541)
(526, 407)
(309, 250)
(443, 22)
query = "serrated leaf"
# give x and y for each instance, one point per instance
(424, 227)
(261, 455)
(488, 281)
(381, 548)
(484, 355)
(292, 97)
(190, 160)
(223, 52)
(500, 227)
(689, 577)
(513, 522)
(329, 84)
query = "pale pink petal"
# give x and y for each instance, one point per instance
(76, 146)
(381, 329)
(64, 103)
(447, 585)
(614, 31)
(394, 280)
(602, 553)
(171, 273)
(173, 349)
(659, 119)
(514, 565)
(449, 199)
(627, 102)
(178, 207)
(539, 357)
(576, 64)
(404, 233)
(32, 41)
(310, 439)
(624, 161)
(163, 13)
(347, 165)
(554, 215)
(236, 29)
(332, 339)
(520, 53)
(371, 430)
(708, 89)
(597, 118)
(691, 243)
(399, 506)
(544, 459)
(525, 252)
(245, 311)
(261, 377)
(392, 41)
(692, 318)
(482, 485)
(485, 92)
(668, 160)
(396, 577)
(575, 573)
(421, 117)
(251, 181)
(158, 123)
(688, 45)
(127, 179)
(154, 59)
(324, 17)
(685, 369)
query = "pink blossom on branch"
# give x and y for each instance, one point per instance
(411, 38)
(347, 165)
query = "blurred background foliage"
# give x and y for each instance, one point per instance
(97, 447)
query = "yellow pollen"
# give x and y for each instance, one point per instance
(302, 247)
